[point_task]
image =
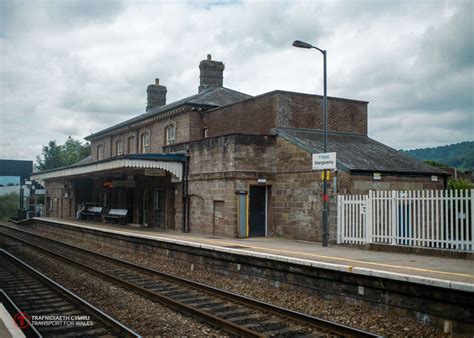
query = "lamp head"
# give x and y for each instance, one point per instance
(301, 44)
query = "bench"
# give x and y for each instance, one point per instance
(94, 212)
(117, 214)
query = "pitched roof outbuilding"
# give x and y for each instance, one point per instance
(359, 153)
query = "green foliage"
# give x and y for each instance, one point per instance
(436, 164)
(459, 155)
(9, 205)
(457, 184)
(55, 156)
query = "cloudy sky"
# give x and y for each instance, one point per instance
(73, 67)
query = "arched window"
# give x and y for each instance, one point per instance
(170, 134)
(131, 145)
(100, 152)
(145, 143)
(119, 147)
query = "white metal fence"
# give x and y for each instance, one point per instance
(436, 219)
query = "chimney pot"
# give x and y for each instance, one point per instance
(209, 57)
(157, 82)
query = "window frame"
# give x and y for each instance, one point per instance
(100, 152)
(168, 139)
(117, 143)
(145, 148)
(131, 144)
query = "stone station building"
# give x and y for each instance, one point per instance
(225, 163)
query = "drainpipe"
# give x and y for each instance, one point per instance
(185, 192)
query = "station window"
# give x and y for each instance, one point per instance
(145, 144)
(119, 148)
(205, 132)
(100, 152)
(131, 145)
(170, 133)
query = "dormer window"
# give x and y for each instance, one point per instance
(170, 133)
(145, 143)
(100, 152)
(119, 148)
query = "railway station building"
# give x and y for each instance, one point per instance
(225, 163)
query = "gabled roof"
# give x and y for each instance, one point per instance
(358, 153)
(213, 97)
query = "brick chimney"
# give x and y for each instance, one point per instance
(156, 95)
(211, 74)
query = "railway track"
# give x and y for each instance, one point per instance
(236, 314)
(35, 297)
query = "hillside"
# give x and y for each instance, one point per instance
(458, 155)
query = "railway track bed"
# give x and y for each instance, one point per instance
(45, 308)
(233, 313)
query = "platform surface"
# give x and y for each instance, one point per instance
(452, 273)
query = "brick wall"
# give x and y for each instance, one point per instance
(297, 110)
(286, 109)
(252, 116)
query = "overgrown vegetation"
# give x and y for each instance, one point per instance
(459, 155)
(9, 205)
(456, 184)
(55, 156)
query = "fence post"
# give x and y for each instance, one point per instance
(393, 229)
(368, 217)
(338, 227)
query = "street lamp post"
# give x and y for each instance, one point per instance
(301, 44)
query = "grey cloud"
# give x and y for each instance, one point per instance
(74, 67)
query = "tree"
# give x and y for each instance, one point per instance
(9, 205)
(55, 156)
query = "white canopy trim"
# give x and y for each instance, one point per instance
(175, 168)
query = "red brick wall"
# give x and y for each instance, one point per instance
(296, 110)
(253, 116)
(288, 110)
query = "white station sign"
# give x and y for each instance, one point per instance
(324, 161)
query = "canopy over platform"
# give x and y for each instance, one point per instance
(168, 162)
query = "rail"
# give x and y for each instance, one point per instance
(234, 313)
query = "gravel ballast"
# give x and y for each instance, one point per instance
(383, 323)
(140, 314)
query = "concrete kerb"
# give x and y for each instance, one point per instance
(297, 261)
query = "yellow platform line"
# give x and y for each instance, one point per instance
(279, 251)
(221, 244)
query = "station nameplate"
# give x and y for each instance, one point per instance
(324, 161)
(155, 172)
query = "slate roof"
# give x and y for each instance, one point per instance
(358, 153)
(213, 97)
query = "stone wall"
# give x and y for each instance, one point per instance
(358, 184)
(297, 194)
(186, 121)
(218, 167)
(60, 201)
